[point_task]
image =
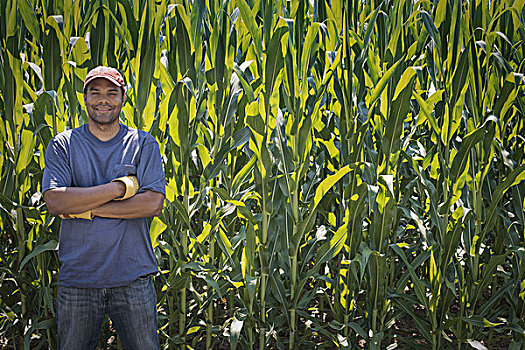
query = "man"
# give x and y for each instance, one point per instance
(104, 178)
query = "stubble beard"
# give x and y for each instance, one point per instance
(103, 121)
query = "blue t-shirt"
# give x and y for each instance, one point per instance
(103, 252)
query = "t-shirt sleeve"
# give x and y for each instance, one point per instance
(150, 173)
(57, 171)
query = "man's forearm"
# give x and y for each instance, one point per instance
(142, 205)
(74, 200)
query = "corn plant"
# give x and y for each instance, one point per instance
(335, 170)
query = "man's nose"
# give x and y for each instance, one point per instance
(103, 98)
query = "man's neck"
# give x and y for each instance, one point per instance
(104, 132)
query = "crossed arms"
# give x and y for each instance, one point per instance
(100, 200)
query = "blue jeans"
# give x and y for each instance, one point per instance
(132, 309)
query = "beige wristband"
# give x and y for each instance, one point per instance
(132, 186)
(87, 215)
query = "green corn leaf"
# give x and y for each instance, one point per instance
(391, 143)
(460, 76)
(471, 140)
(48, 246)
(210, 282)
(166, 81)
(242, 211)
(377, 267)
(431, 29)
(240, 176)
(278, 290)
(224, 243)
(196, 18)
(145, 73)
(455, 37)
(156, 228)
(304, 226)
(330, 249)
(27, 144)
(9, 19)
(515, 177)
(309, 49)
(184, 47)
(99, 39)
(290, 83)
(273, 64)
(327, 184)
(188, 84)
(418, 285)
(249, 21)
(487, 276)
(285, 159)
(80, 54)
(239, 70)
(479, 321)
(235, 332)
(250, 245)
(220, 53)
(451, 244)
(52, 59)
(417, 262)
(422, 323)
(29, 17)
(369, 28)
(170, 111)
(256, 123)
(435, 279)
(148, 114)
(251, 284)
(383, 219)
(427, 112)
(196, 267)
(265, 161)
(303, 141)
(182, 212)
(238, 140)
(353, 325)
(507, 95)
(495, 298)
(183, 128)
(378, 89)
(46, 324)
(231, 109)
(42, 106)
(452, 118)
(357, 212)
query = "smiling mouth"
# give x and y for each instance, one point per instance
(103, 109)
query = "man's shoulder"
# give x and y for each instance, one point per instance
(65, 141)
(68, 133)
(65, 136)
(142, 136)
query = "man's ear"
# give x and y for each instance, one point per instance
(123, 100)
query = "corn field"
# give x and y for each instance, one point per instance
(340, 174)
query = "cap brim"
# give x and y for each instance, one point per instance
(114, 81)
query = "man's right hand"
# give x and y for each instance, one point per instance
(132, 186)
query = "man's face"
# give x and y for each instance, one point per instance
(104, 100)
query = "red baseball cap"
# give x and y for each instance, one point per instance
(108, 73)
